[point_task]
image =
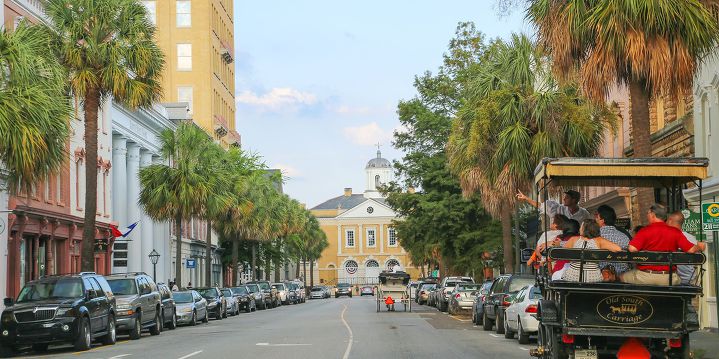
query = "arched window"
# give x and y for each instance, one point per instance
(331, 266)
(351, 267)
(372, 264)
(377, 182)
(392, 263)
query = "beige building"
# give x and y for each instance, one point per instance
(362, 241)
(197, 37)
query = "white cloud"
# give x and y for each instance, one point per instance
(367, 135)
(287, 170)
(278, 99)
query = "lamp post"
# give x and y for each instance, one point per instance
(154, 257)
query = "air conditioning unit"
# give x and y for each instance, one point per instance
(226, 55)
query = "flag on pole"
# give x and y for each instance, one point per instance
(116, 232)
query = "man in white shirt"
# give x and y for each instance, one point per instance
(686, 272)
(569, 206)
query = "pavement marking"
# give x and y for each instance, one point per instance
(523, 348)
(282, 345)
(458, 318)
(191, 354)
(495, 335)
(351, 338)
(120, 356)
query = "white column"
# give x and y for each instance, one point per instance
(146, 224)
(134, 262)
(339, 239)
(118, 187)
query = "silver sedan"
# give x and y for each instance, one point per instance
(190, 307)
(520, 315)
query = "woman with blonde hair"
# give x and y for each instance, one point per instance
(589, 239)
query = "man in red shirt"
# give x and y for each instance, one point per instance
(657, 237)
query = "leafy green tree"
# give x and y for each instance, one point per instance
(178, 192)
(514, 114)
(108, 49)
(653, 47)
(34, 107)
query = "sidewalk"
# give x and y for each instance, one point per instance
(705, 344)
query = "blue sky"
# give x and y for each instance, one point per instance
(318, 81)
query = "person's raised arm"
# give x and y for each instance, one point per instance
(523, 197)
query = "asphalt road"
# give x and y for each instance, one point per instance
(329, 328)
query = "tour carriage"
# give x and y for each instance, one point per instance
(393, 284)
(588, 320)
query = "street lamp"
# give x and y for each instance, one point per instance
(154, 257)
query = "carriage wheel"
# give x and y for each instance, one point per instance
(378, 304)
(410, 305)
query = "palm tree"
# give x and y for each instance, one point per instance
(177, 192)
(654, 47)
(34, 107)
(107, 46)
(514, 114)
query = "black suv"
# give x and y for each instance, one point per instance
(496, 301)
(59, 309)
(138, 303)
(343, 289)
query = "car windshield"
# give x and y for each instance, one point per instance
(427, 286)
(62, 288)
(519, 283)
(317, 289)
(253, 288)
(293, 286)
(183, 297)
(451, 284)
(536, 293)
(469, 287)
(264, 285)
(279, 286)
(343, 285)
(227, 292)
(239, 290)
(123, 286)
(208, 292)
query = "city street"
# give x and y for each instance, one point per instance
(329, 328)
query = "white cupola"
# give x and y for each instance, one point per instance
(379, 172)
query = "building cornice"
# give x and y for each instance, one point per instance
(141, 126)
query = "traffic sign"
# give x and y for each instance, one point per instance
(526, 254)
(191, 263)
(710, 216)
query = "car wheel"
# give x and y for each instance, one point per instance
(499, 325)
(136, 331)
(508, 334)
(193, 321)
(40, 348)
(486, 323)
(224, 313)
(84, 337)
(111, 337)
(207, 317)
(218, 315)
(522, 336)
(173, 321)
(237, 310)
(156, 328)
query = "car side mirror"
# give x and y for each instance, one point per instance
(7, 302)
(91, 294)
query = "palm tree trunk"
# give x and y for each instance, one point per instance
(208, 255)
(517, 256)
(254, 261)
(641, 142)
(304, 270)
(312, 273)
(178, 251)
(268, 265)
(297, 268)
(90, 107)
(234, 266)
(506, 219)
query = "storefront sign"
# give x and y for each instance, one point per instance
(191, 263)
(710, 216)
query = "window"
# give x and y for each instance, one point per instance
(371, 238)
(58, 188)
(350, 235)
(392, 237)
(46, 185)
(392, 263)
(104, 192)
(372, 264)
(151, 8)
(184, 57)
(351, 267)
(184, 13)
(184, 94)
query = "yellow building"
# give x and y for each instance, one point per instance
(197, 37)
(358, 227)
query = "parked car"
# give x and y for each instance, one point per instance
(301, 291)
(462, 297)
(366, 290)
(283, 292)
(478, 304)
(412, 290)
(216, 301)
(448, 284)
(138, 303)
(520, 315)
(295, 296)
(423, 292)
(328, 291)
(262, 299)
(233, 304)
(245, 298)
(74, 309)
(191, 307)
(270, 293)
(432, 300)
(343, 289)
(420, 284)
(167, 309)
(317, 293)
(497, 299)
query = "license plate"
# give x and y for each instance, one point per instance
(585, 354)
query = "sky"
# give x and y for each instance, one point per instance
(318, 82)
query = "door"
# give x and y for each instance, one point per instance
(92, 305)
(148, 310)
(102, 305)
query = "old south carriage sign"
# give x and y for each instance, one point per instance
(624, 309)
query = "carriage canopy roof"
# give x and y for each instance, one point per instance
(619, 172)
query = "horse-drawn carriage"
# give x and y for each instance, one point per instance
(392, 289)
(587, 320)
